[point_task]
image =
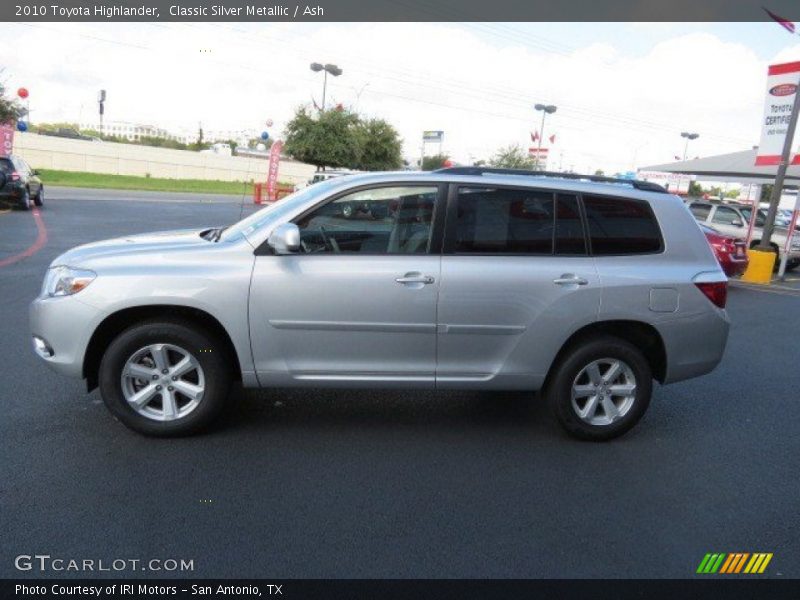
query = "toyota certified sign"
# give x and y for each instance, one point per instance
(782, 82)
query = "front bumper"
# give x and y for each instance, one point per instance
(61, 329)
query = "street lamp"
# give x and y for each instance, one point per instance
(547, 109)
(688, 136)
(329, 68)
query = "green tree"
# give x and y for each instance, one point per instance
(379, 146)
(599, 173)
(324, 139)
(511, 157)
(433, 162)
(10, 110)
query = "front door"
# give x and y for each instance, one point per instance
(357, 303)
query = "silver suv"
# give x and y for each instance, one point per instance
(464, 278)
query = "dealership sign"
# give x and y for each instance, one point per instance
(6, 139)
(782, 83)
(433, 136)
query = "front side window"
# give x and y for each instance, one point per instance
(621, 226)
(504, 221)
(382, 220)
(761, 216)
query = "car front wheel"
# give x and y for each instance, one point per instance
(600, 388)
(38, 199)
(165, 378)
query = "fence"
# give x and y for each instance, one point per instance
(49, 152)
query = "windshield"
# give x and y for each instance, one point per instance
(266, 215)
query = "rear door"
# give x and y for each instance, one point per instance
(516, 279)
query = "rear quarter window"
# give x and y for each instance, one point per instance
(620, 226)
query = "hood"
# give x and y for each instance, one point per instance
(162, 241)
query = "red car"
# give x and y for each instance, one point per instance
(730, 251)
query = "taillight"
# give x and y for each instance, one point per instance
(716, 291)
(14, 176)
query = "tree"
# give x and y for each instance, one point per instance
(379, 146)
(10, 110)
(695, 189)
(512, 157)
(436, 161)
(599, 173)
(327, 139)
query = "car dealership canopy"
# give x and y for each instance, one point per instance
(737, 167)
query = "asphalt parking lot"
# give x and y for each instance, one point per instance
(386, 484)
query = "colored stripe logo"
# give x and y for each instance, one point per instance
(734, 562)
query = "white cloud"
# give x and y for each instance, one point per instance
(613, 108)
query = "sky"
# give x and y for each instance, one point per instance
(624, 91)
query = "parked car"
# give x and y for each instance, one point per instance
(23, 188)
(484, 279)
(731, 252)
(733, 219)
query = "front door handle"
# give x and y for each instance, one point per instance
(415, 278)
(569, 279)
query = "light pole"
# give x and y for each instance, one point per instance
(101, 106)
(328, 68)
(546, 110)
(689, 137)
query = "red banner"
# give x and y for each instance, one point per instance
(6, 139)
(272, 175)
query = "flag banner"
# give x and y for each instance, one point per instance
(272, 175)
(6, 139)
(782, 83)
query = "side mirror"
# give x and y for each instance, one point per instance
(36, 172)
(737, 223)
(285, 239)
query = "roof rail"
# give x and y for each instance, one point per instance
(635, 183)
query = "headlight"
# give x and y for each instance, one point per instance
(65, 281)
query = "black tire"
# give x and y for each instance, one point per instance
(569, 366)
(38, 199)
(209, 352)
(25, 200)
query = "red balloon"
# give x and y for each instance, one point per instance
(22, 92)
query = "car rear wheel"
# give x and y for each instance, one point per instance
(165, 378)
(600, 388)
(38, 199)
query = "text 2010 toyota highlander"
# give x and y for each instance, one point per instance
(462, 278)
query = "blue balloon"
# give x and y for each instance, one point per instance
(22, 126)
(264, 135)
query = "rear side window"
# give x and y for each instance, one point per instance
(6, 166)
(504, 221)
(621, 226)
(700, 211)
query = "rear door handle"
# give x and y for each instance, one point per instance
(408, 278)
(568, 279)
